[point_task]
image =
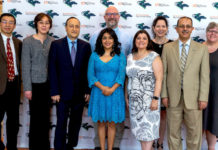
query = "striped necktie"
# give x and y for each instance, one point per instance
(183, 59)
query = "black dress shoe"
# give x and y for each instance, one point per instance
(97, 148)
(116, 148)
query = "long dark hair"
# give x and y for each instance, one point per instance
(149, 46)
(99, 49)
(155, 22)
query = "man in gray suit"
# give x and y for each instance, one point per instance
(185, 86)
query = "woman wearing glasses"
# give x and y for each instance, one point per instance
(35, 81)
(210, 116)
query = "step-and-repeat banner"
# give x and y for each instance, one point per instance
(135, 15)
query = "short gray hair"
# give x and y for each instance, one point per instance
(211, 25)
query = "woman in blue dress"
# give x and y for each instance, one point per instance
(106, 75)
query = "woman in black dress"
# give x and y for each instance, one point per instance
(210, 120)
(160, 29)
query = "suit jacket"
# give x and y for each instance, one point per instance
(196, 74)
(67, 80)
(3, 62)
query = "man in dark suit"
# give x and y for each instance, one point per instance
(10, 55)
(68, 62)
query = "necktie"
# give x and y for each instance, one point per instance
(183, 61)
(10, 61)
(73, 53)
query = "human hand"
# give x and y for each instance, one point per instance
(56, 98)
(165, 102)
(202, 105)
(28, 95)
(87, 97)
(154, 104)
(107, 91)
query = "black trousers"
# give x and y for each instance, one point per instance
(39, 117)
(65, 110)
(9, 104)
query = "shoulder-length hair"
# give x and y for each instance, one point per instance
(39, 17)
(99, 49)
(149, 46)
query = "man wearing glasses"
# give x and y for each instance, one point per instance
(185, 86)
(10, 55)
(111, 18)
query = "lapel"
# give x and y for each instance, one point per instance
(78, 53)
(16, 47)
(190, 54)
(2, 48)
(176, 52)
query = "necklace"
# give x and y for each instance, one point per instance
(160, 45)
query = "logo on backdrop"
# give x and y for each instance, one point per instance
(215, 5)
(198, 16)
(125, 15)
(142, 26)
(103, 24)
(17, 35)
(143, 4)
(14, 12)
(51, 13)
(88, 14)
(87, 126)
(70, 3)
(198, 39)
(106, 3)
(33, 2)
(181, 4)
(53, 35)
(162, 14)
(31, 24)
(86, 36)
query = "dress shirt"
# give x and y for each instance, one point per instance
(123, 37)
(70, 44)
(12, 49)
(187, 46)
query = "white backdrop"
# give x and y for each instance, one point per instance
(135, 15)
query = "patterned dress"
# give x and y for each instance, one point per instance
(141, 83)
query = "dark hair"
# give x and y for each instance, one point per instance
(155, 22)
(8, 15)
(69, 19)
(184, 17)
(99, 49)
(149, 46)
(39, 17)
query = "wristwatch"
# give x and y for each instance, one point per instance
(155, 98)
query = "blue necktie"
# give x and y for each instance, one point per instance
(73, 53)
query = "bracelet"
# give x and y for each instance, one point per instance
(155, 98)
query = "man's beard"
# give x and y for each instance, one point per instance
(112, 23)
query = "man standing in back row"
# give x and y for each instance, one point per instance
(185, 86)
(111, 18)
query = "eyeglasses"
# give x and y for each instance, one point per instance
(112, 14)
(212, 31)
(7, 22)
(183, 26)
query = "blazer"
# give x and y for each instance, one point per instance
(3, 62)
(196, 74)
(67, 80)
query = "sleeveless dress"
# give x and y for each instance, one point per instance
(210, 114)
(107, 108)
(141, 83)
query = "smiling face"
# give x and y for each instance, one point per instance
(212, 35)
(141, 41)
(184, 29)
(73, 28)
(7, 25)
(160, 29)
(112, 17)
(107, 41)
(43, 25)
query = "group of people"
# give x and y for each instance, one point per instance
(158, 81)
